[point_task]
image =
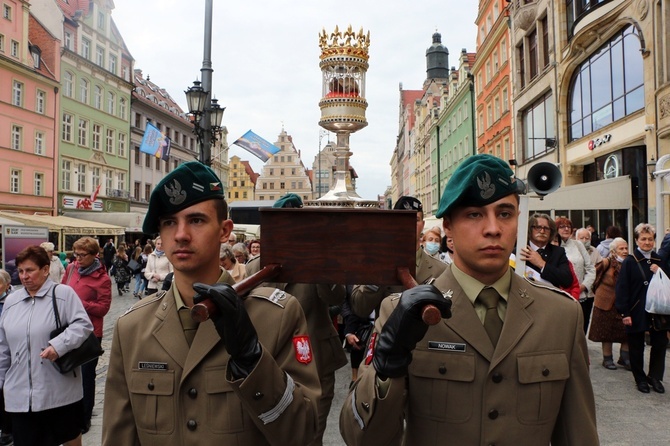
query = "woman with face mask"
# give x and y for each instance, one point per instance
(606, 323)
(431, 242)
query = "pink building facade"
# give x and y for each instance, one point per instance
(29, 102)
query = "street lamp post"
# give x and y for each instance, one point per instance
(207, 119)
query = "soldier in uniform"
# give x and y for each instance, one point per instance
(315, 300)
(509, 368)
(245, 377)
(367, 298)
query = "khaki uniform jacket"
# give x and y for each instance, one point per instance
(364, 301)
(533, 389)
(161, 393)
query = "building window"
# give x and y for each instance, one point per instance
(505, 100)
(68, 40)
(123, 109)
(40, 101)
(17, 94)
(496, 108)
(538, 125)
(532, 54)
(17, 137)
(489, 115)
(97, 135)
(545, 41)
(14, 50)
(95, 177)
(503, 50)
(109, 141)
(109, 182)
(112, 64)
(83, 91)
(147, 160)
(97, 98)
(101, 20)
(496, 62)
(100, 56)
(39, 184)
(111, 102)
(137, 155)
(15, 181)
(7, 12)
(122, 145)
(68, 80)
(85, 48)
(608, 86)
(39, 143)
(83, 132)
(282, 185)
(136, 191)
(122, 181)
(66, 168)
(66, 133)
(2, 43)
(81, 178)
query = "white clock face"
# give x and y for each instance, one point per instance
(611, 167)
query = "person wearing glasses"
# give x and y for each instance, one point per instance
(549, 262)
(89, 279)
(241, 253)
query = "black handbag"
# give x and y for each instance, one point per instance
(660, 322)
(363, 334)
(86, 352)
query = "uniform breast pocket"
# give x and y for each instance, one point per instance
(152, 397)
(441, 385)
(224, 408)
(542, 378)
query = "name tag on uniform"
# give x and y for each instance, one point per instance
(153, 365)
(446, 346)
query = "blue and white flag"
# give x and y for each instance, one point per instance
(155, 143)
(257, 145)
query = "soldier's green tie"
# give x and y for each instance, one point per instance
(492, 323)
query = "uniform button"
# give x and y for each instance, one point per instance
(193, 393)
(545, 372)
(258, 396)
(442, 370)
(192, 425)
(150, 386)
(493, 414)
(366, 406)
(497, 377)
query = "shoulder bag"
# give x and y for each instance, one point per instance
(86, 352)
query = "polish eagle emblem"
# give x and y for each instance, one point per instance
(486, 188)
(303, 349)
(175, 192)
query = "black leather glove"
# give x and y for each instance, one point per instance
(233, 325)
(404, 328)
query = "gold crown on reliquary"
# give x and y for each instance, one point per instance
(347, 43)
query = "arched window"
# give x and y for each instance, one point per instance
(608, 86)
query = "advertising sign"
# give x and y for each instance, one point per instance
(14, 240)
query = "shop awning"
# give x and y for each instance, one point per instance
(6, 221)
(65, 225)
(132, 221)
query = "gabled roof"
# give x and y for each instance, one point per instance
(250, 171)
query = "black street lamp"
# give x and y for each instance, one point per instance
(207, 120)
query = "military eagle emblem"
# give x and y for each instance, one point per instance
(303, 349)
(486, 188)
(175, 192)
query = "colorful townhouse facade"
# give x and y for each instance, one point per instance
(94, 116)
(242, 181)
(30, 44)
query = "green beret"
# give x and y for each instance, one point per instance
(408, 203)
(188, 184)
(288, 201)
(478, 181)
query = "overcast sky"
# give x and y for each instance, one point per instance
(265, 56)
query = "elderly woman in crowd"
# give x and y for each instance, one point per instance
(254, 248)
(607, 326)
(158, 266)
(631, 297)
(581, 262)
(228, 261)
(45, 406)
(56, 269)
(88, 277)
(431, 242)
(241, 253)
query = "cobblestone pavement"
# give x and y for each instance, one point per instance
(625, 416)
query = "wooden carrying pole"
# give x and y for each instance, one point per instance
(334, 246)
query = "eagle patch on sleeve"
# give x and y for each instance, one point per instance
(302, 348)
(370, 352)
